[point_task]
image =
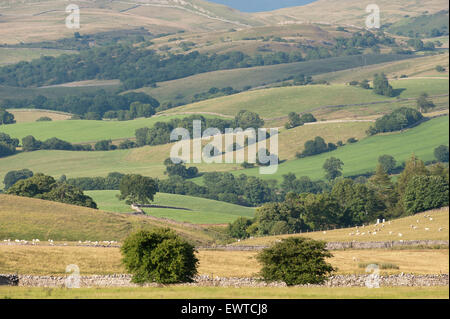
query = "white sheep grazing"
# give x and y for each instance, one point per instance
(427, 229)
(400, 235)
(431, 219)
(390, 233)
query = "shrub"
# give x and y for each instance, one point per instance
(238, 229)
(44, 119)
(296, 261)
(441, 153)
(388, 163)
(352, 140)
(159, 256)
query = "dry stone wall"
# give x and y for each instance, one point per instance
(124, 280)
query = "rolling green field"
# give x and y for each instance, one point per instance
(276, 102)
(201, 211)
(362, 157)
(180, 292)
(359, 158)
(78, 131)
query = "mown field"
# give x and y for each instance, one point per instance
(48, 260)
(362, 157)
(226, 293)
(27, 218)
(390, 231)
(196, 210)
(276, 102)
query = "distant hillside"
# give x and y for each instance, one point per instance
(426, 25)
(170, 16)
(351, 12)
(261, 5)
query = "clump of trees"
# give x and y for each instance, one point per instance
(399, 119)
(312, 206)
(381, 85)
(180, 169)
(296, 261)
(441, 153)
(45, 187)
(14, 176)
(424, 103)
(159, 256)
(44, 119)
(110, 182)
(92, 105)
(316, 146)
(30, 143)
(6, 117)
(7, 145)
(137, 189)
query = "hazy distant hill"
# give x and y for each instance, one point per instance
(261, 5)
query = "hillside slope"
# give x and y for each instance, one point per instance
(350, 12)
(436, 221)
(29, 218)
(27, 17)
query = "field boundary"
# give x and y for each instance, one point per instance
(347, 245)
(124, 280)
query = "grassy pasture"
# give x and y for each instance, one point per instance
(78, 131)
(362, 157)
(180, 292)
(275, 102)
(15, 55)
(26, 116)
(48, 260)
(149, 160)
(201, 211)
(398, 226)
(28, 218)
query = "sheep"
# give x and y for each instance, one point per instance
(400, 235)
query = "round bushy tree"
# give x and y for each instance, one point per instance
(296, 261)
(159, 256)
(441, 153)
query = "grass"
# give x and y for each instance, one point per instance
(183, 90)
(351, 13)
(362, 157)
(28, 218)
(399, 226)
(27, 116)
(78, 131)
(201, 211)
(226, 293)
(15, 55)
(149, 160)
(418, 67)
(276, 102)
(48, 260)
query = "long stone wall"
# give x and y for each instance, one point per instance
(348, 245)
(124, 280)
